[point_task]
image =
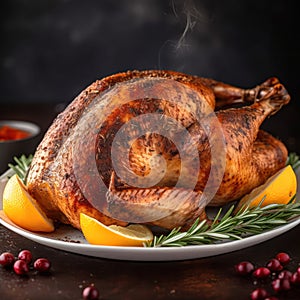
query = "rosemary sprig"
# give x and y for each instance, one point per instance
(22, 165)
(293, 160)
(247, 221)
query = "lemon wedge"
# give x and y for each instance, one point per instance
(279, 188)
(97, 233)
(22, 209)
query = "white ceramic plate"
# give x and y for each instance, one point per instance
(69, 239)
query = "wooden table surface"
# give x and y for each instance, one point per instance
(205, 278)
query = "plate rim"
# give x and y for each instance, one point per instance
(151, 254)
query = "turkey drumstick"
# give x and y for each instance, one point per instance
(252, 154)
(226, 94)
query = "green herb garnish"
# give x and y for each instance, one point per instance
(247, 221)
(293, 160)
(22, 166)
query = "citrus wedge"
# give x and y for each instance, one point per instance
(97, 233)
(279, 188)
(22, 209)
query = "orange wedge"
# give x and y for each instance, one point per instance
(279, 188)
(97, 233)
(22, 209)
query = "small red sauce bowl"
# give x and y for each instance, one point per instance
(17, 138)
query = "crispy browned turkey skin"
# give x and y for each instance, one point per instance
(156, 169)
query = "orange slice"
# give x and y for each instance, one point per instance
(97, 233)
(279, 188)
(22, 209)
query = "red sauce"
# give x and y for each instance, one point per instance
(8, 133)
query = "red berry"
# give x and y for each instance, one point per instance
(276, 285)
(298, 270)
(295, 278)
(271, 298)
(285, 274)
(244, 268)
(21, 267)
(281, 285)
(285, 284)
(261, 272)
(90, 293)
(259, 294)
(283, 257)
(6, 259)
(25, 255)
(42, 265)
(274, 265)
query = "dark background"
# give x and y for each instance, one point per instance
(52, 49)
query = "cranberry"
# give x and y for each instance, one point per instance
(281, 285)
(285, 284)
(6, 259)
(271, 298)
(274, 265)
(42, 265)
(261, 272)
(298, 270)
(25, 255)
(90, 293)
(244, 268)
(285, 274)
(21, 267)
(283, 257)
(295, 278)
(258, 294)
(276, 285)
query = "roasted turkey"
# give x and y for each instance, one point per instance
(156, 147)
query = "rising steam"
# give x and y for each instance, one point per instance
(191, 14)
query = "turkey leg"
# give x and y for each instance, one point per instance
(252, 154)
(227, 95)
